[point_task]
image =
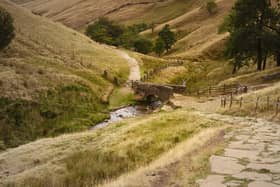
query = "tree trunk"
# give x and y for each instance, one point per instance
(264, 62)
(234, 68)
(259, 51)
(278, 59)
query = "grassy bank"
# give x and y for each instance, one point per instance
(61, 110)
(113, 151)
(51, 79)
(121, 97)
(266, 107)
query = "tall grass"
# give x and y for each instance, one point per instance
(138, 145)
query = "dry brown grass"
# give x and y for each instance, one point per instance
(50, 68)
(45, 54)
(77, 14)
(138, 141)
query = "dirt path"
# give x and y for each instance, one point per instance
(133, 65)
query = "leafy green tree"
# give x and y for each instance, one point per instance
(273, 27)
(246, 24)
(159, 47)
(168, 37)
(105, 31)
(143, 45)
(6, 28)
(211, 7)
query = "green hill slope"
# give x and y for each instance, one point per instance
(51, 79)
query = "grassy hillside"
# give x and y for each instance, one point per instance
(51, 80)
(77, 14)
(197, 30)
(90, 158)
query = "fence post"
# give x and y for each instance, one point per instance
(225, 102)
(245, 89)
(277, 106)
(224, 89)
(240, 102)
(222, 101)
(116, 80)
(231, 98)
(257, 104)
(268, 102)
(209, 90)
(105, 74)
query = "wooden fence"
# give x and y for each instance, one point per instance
(267, 103)
(221, 90)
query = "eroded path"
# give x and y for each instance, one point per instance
(133, 65)
(252, 157)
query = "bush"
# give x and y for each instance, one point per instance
(159, 47)
(6, 28)
(211, 7)
(143, 45)
(104, 31)
(110, 33)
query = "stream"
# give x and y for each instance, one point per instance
(121, 114)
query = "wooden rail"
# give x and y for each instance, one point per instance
(221, 90)
(259, 103)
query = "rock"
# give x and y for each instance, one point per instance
(254, 176)
(225, 165)
(262, 184)
(212, 181)
(239, 153)
(274, 168)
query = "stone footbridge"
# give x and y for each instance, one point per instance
(152, 92)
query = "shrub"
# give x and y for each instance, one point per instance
(143, 45)
(6, 28)
(211, 7)
(159, 46)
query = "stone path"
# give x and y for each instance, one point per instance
(252, 157)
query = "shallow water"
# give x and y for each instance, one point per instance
(121, 114)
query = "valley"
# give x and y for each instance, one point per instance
(70, 114)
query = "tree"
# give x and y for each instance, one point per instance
(159, 47)
(105, 31)
(6, 28)
(212, 7)
(274, 32)
(246, 24)
(143, 45)
(168, 37)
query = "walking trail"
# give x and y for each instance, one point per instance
(252, 156)
(133, 65)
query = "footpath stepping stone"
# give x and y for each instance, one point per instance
(239, 153)
(253, 176)
(277, 182)
(262, 184)
(273, 168)
(212, 180)
(225, 165)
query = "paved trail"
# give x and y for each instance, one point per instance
(252, 157)
(133, 65)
